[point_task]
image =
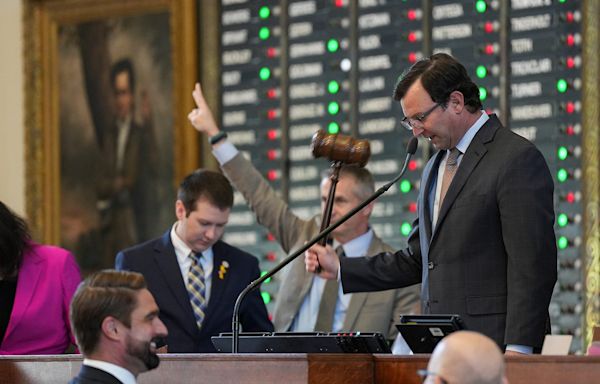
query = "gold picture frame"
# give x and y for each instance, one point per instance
(53, 27)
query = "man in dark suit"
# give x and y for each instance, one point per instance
(483, 244)
(116, 324)
(194, 276)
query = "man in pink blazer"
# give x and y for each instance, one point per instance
(39, 321)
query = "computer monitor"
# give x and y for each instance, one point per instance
(423, 332)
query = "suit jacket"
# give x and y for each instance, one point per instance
(492, 255)
(157, 261)
(367, 312)
(92, 375)
(39, 321)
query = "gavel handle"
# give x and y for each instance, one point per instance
(335, 176)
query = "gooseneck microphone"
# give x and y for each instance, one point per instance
(411, 149)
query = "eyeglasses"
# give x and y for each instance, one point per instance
(417, 120)
(423, 373)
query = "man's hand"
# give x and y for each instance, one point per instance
(201, 117)
(326, 258)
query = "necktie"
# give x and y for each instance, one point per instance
(196, 288)
(449, 172)
(328, 301)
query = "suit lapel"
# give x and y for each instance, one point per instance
(29, 275)
(220, 279)
(430, 177)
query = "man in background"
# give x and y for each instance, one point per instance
(194, 276)
(306, 302)
(116, 324)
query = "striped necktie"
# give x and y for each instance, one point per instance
(196, 288)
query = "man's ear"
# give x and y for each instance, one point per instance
(456, 102)
(179, 210)
(111, 328)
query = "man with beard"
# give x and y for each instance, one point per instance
(116, 324)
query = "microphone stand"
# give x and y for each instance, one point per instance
(235, 324)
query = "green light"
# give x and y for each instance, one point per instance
(481, 71)
(333, 108)
(562, 153)
(563, 242)
(264, 33)
(405, 228)
(266, 296)
(482, 93)
(562, 220)
(332, 45)
(562, 85)
(333, 128)
(480, 6)
(333, 87)
(562, 175)
(405, 186)
(562, 1)
(264, 73)
(264, 12)
(264, 273)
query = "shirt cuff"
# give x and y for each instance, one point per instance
(225, 152)
(520, 348)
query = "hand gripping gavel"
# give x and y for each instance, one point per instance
(342, 148)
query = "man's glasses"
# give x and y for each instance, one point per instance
(423, 373)
(417, 120)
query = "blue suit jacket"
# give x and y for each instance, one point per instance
(157, 261)
(492, 255)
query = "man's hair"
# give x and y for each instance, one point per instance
(440, 74)
(14, 241)
(105, 293)
(362, 176)
(123, 65)
(206, 184)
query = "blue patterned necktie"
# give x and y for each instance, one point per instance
(196, 288)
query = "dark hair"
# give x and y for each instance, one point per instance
(123, 65)
(440, 74)
(14, 241)
(210, 185)
(105, 293)
(363, 177)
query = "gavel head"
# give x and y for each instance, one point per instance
(342, 148)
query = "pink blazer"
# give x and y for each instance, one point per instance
(39, 322)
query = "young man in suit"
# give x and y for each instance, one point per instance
(304, 301)
(116, 324)
(483, 244)
(194, 276)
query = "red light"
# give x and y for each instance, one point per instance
(272, 134)
(272, 114)
(270, 316)
(489, 49)
(270, 237)
(412, 207)
(570, 40)
(272, 175)
(570, 131)
(412, 57)
(411, 14)
(570, 62)
(412, 37)
(271, 52)
(570, 198)
(339, 3)
(412, 165)
(488, 27)
(570, 107)
(569, 17)
(272, 93)
(271, 256)
(272, 154)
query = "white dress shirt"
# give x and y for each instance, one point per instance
(122, 374)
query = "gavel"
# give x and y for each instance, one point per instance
(342, 148)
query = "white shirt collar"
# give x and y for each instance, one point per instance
(122, 374)
(465, 141)
(182, 251)
(357, 246)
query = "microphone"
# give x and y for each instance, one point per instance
(340, 147)
(411, 149)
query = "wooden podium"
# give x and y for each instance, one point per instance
(297, 369)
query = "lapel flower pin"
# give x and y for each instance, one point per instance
(223, 269)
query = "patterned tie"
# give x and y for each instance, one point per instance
(196, 288)
(328, 301)
(449, 172)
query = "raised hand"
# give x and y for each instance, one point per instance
(201, 117)
(325, 257)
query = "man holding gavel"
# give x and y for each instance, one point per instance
(307, 302)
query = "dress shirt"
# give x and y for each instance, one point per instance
(122, 374)
(182, 251)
